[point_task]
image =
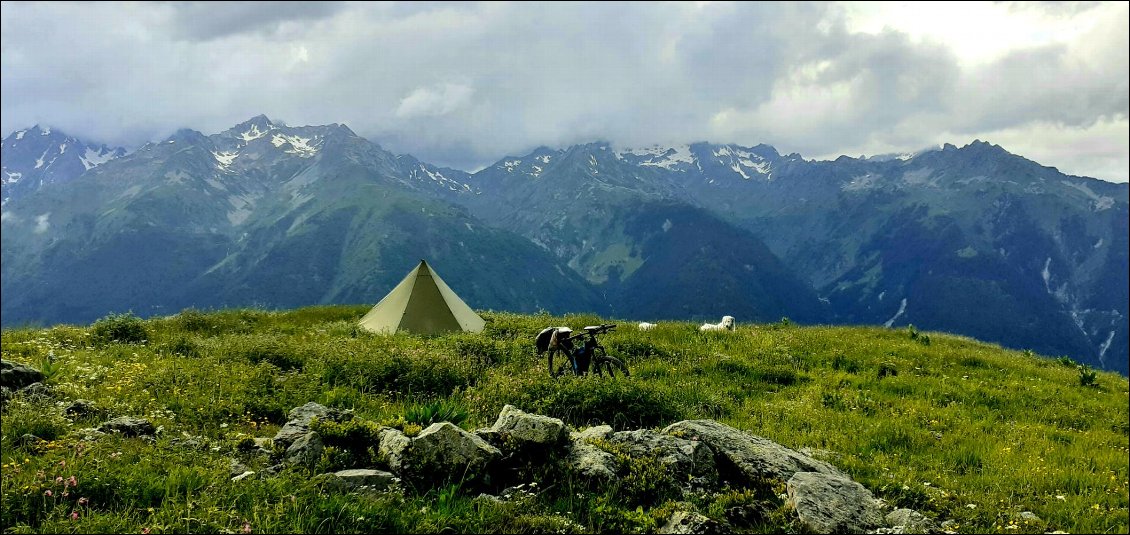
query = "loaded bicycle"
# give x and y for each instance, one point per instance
(579, 358)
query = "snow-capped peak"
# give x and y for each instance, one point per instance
(304, 147)
(94, 157)
(666, 157)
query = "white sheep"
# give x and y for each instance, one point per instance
(645, 326)
(726, 325)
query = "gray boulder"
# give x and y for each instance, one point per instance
(393, 448)
(521, 430)
(128, 426)
(312, 410)
(444, 449)
(365, 479)
(829, 503)
(591, 461)
(597, 431)
(299, 421)
(690, 523)
(911, 521)
(37, 392)
(682, 457)
(15, 376)
(306, 450)
(747, 457)
(236, 468)
(80, 408)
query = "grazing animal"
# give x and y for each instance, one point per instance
(645, 326)
(726, 325)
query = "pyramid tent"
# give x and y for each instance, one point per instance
(423, 304)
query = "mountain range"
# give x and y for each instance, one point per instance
(972, 240)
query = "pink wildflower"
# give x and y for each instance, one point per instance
(144, 531)
(72, 482)
(58, 479)
(48, 493)
(83, 501)
(246, 527)
(74, 515)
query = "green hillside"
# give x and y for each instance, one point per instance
(952, 427)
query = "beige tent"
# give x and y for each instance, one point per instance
(422, 304)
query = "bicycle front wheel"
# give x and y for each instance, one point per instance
(610, 366)
(561, 368)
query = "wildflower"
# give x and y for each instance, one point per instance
(72, 482)
(63, 464)
(48, 493)
(58, 479)
(74, 515)
(246, 527)
(83, 501)
(144, 531)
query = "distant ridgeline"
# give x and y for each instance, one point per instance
(971, 240)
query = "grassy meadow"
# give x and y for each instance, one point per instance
(947, 425)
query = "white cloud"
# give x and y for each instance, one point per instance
(464, 84)
(41, 223)
(432, 101)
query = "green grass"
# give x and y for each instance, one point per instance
(955, 428)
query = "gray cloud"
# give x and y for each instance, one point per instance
(463, 84)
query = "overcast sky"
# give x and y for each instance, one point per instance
(465, 84)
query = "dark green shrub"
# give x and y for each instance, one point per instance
(592, 400)
(183, 346)
(887, 369)
(840, 362)
(258, 349)
(354, 442)
(1087, 376)
(1066, 362)
(119, 329)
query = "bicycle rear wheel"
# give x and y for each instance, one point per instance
(562, 368)
(610, 366)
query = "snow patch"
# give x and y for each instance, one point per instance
(62, 147)
(1098, 202)
(41, 223)
(665, 157)
(511, 164)
(667, 225)
(39, 160)
(46, 131)
(1098, 244)
(861, 182)
(12, 178)
(20, 134)
(902, 308)
(224, 158)
(299, 145)
(543, 158)
(93, 158)
(253, 133)
(881, 294)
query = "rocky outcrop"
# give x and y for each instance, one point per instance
(444, 450)
(697, 455)
(746, 457)
(299, 418)
(829, 503)
(515, 430)
(128, 426)
(15, 376)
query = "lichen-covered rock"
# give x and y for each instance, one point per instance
(596, 431)
(299, 422)
(829, 503)
(128, 426)
(746, 457)
(591, 461)
(306, 450)
(444, 450)
(690, 523)
(911, 521)
(366, 479)
(392, 448)
(682, 457)
(518, 430)
(15, 376)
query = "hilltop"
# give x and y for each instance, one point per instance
(957, 429)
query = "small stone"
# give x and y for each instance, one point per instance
(689, 523)
(246, 474)
(128, 426)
